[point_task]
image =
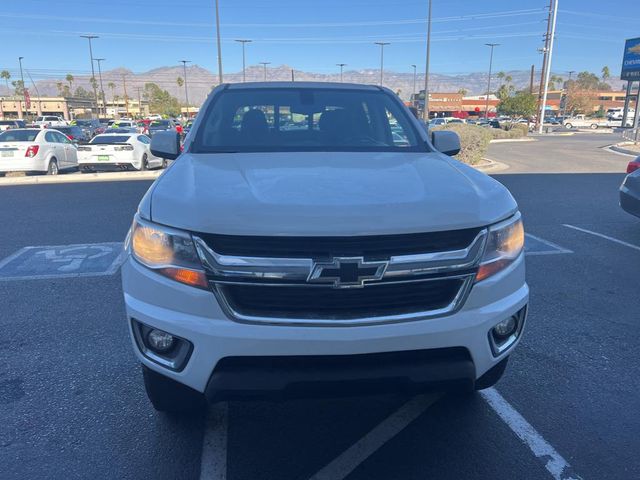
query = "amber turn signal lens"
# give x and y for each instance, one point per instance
(193, 278)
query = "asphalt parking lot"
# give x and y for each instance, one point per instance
(73, 404)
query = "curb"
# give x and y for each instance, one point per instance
(512, 140)
(490, 166)
(623, 150)
(81, 178)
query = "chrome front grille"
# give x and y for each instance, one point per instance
(340, 288)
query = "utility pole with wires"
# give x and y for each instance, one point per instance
(104, 101)
(186, 94)
(341, 65)
(566, 95)
(126, 98)
(24, 90)
(533, 70)
(492, 46)
(382, 45)
(413, 96)
(93, 72)
(243, 42)
(554, 4)
(425, 111)
(39, 108)
(264, 64)
(219, 46)
(539, 119)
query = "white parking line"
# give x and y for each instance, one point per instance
(349, 460)
(557, 466)
(213, 464)
(556, 248)
(606, 237)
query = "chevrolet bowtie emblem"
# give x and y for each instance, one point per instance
(347, 272)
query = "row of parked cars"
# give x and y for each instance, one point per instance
(51, 150)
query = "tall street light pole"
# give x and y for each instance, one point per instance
(264, 64)
(382, 44)
(243, 42)
(492, 46)
(219, 46)
(425, 112)
(186, 94)
(414, 84)
(104, 101)
(24, 92)
(93, 72)
(341, 65)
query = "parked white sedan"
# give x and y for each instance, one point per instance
(35, 150)
(118, 151)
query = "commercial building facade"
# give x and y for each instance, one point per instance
(69, 108)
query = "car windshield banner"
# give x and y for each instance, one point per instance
(631, 60)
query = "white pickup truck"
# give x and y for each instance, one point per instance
(582, 121)
(50, 121)
(297, 245)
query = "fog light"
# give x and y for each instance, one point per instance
(159, 341)
(506, 327)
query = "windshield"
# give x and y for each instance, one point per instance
(303, 119)
(19, 135)
(105, 139)
(160, 123)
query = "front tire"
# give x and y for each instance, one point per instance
(594, 126)
(169, 396)
(52, 168)
(492, 376)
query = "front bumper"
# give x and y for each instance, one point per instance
(245, 358)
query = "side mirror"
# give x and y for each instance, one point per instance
(166, 145)
(446, 141)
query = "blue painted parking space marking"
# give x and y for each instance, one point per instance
(539, 246)
(81, 260)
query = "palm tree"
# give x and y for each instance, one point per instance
(6, 75)
(69, 78)
(60, 87)
(500, 76)
(553, 80)
(605, 73)
(180, 83)
(112, 87)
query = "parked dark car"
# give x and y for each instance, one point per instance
(74, 133)
(9, 124)
(489, 123)
(161, 126)
(91, 127)
(630, 189)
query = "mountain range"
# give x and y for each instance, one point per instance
(200, 81)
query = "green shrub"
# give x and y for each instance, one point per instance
(474, 141)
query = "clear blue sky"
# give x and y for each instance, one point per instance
(312, 34)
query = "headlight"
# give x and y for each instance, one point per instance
(504, 245)
(167, 251)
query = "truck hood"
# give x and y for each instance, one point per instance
(325, 194)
